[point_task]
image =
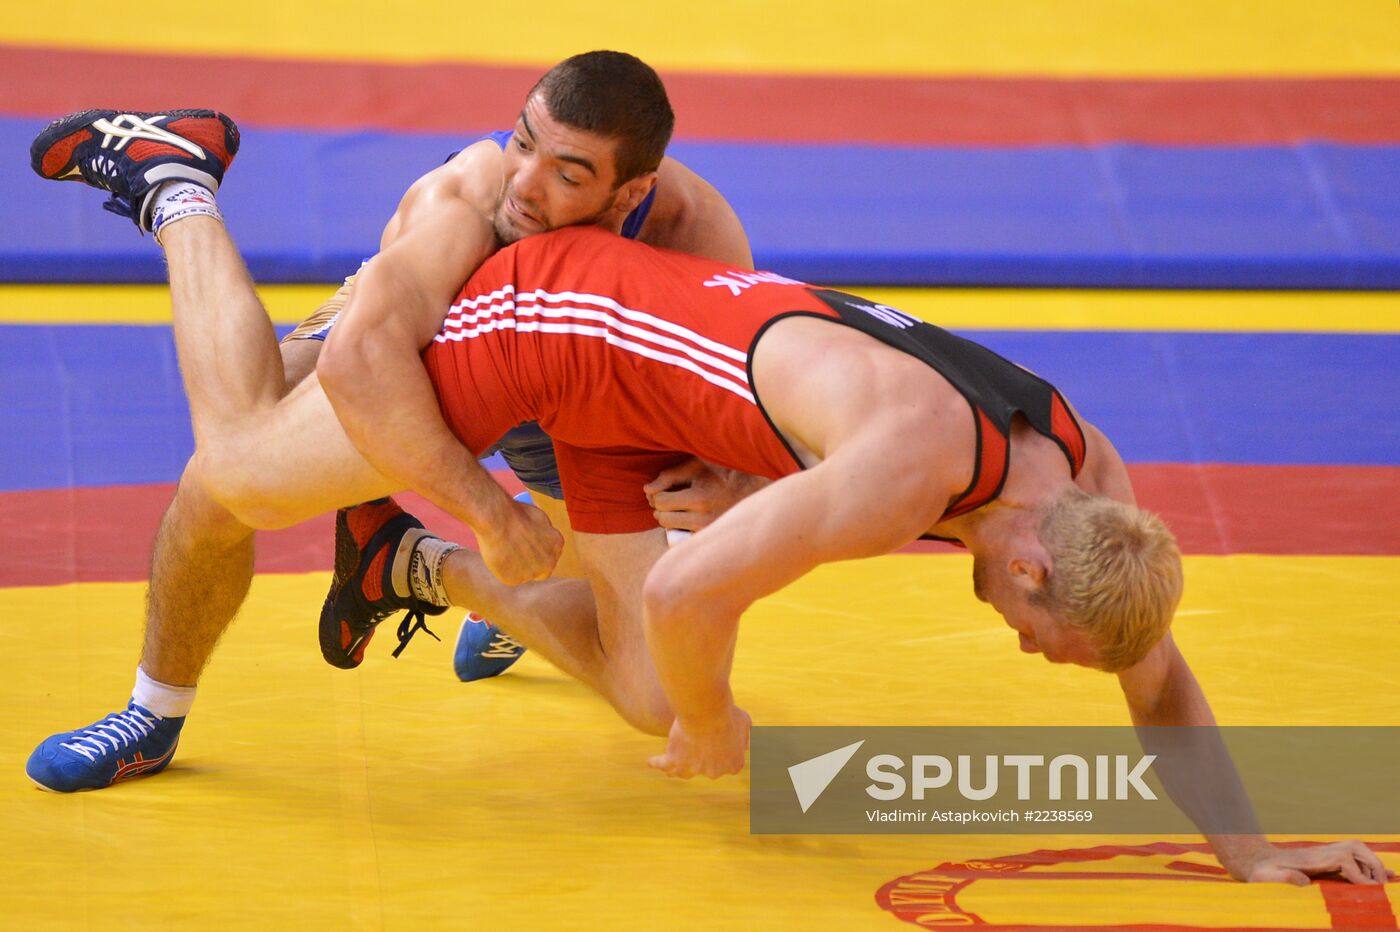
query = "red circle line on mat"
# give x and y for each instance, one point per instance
(929, 898)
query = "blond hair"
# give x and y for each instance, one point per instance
(1115, 574)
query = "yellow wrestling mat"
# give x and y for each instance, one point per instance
(394, 797)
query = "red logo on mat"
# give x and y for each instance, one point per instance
(930, 899)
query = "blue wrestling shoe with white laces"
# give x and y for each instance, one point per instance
(131, 153)
(483, 650)
(135, 742)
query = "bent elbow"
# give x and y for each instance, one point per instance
(676, 593)
(663, 595)
(336, 365)
(672, 595)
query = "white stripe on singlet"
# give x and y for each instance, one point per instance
(501, 310)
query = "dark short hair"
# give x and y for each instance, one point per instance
(617, 96)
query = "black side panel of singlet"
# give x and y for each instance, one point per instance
(992, 383)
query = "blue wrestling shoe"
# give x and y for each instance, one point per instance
(483, 650)
(132, 153)
(135, 742)
(362, 592)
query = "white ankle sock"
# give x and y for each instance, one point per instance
(166, 701)
(179, 200)
(418, 567)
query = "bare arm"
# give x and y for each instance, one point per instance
(691, 216)
(1162, 691)
(869, 497)
(375, 380)
(300, 351)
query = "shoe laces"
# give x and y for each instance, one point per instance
(118, 205)
(503, 647)
(103, 172)
(99, 169)
(412, 623)
(113, 733)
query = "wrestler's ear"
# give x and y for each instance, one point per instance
(630, 194)
(1029, 573)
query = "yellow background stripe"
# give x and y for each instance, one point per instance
(968, 308)
(912, 37)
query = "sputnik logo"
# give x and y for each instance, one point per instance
(811, 777)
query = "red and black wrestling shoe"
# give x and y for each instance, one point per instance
(367, 538)
(132, 153)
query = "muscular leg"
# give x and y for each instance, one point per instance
(202, 558)
(271, 461)
(305, 465)
(224, 338)
(201, 566)
(592, 630)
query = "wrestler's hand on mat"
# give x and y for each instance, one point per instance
(692, 495)
(522, 546)
(1353, 860)
(711, 752)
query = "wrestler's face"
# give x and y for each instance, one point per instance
(1007, 587)
(557, 175)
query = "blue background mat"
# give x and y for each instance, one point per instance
(104, 405)
(309, 206)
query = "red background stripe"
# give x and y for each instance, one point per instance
(104, 534)
(458, 98)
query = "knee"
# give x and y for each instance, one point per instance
(646, 709)
(632, 686)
